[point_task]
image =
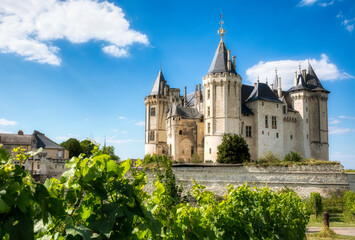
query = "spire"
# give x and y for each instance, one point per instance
(276, 79)
(312, 79)
(222, 60)
(158, 87)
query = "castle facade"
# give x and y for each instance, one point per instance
(190, 126)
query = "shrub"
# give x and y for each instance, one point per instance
(349, 201)
(269, 157)
(233, 149)
(334, 203)
(293, 157)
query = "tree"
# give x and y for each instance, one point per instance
(233, 149)
(86, 147)
(110, 150)
(73, 146)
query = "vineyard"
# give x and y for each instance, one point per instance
(94, 199)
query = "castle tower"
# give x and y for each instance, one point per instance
(222, 99)
(156, 105)
(310, 100)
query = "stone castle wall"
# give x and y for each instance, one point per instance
(325, 179)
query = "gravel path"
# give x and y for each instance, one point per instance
(348, 231)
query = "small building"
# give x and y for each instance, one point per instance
(48, 163)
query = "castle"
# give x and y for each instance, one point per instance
(270, 119)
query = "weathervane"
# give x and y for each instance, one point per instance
(221, 31)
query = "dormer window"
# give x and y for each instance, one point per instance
(152, 111)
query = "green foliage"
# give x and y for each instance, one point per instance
(95, 200)
(349, 201)
(87, 147)
(233, 149)
(161, 166)
(293, 157)
(110, 150)
(334, 203)
(196, 158)
(269, 157)
(314, 204)
(73, 146)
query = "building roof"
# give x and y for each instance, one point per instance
(184, 112)
(158, 87)
(190, 99)
(311, 82)
(44, 142)
(246, 91)
(26, 139)
(220, 60)
(262, 91)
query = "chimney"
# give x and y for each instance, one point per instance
(272, 86)
(295, 80)
(185, 99)
(304, 74)
(161, 88)
(234, 64)
(229, 63)
(166, 90)
(254, 84)
(200, 91)
(20, 132)
(279, 90)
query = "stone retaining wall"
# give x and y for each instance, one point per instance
(305, 179)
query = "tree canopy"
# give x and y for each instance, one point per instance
(77, 147)
(233, 149)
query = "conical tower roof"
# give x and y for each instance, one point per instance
(312, 79)
(158, 87)
(220, 60)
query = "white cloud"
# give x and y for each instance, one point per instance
(141, 123)
(124, 132)
(346, 117)
(28, 28)
(114, 130)
(62, 138)
(4, 122)
(326, 4)
(307, 2)
(115, 51)
(120, 117)
(325, 70)
(334, 121)
(4, 131)
(350, 27)
(338, 130)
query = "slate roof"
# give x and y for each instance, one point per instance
(26, 139)
(220, 60)
(311, 82)
(246, 91)
(157, 87)
(184, 112)
(190, 99)
(262, 91)
(44, 142)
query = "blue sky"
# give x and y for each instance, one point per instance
(82, 68)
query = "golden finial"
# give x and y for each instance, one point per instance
(221, 31)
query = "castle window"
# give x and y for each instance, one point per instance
(284, 109)
(180, 132)
(192, 150)
(208, 111)
(210, 150)
(208, 94)
(201, 120)
(306, 109)
(307, 120)
(248, 131)
(266, 122)
(277, 105)
(262, 103)
(152, 111)
(274, 123)
(208, 128)
(262, 132)
(151, 136)
(277, 135)
(291, 137)
(307, 136)
(60, 154)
